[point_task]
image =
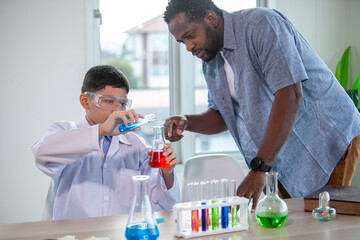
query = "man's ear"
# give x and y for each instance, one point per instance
(212, 19)
(84, 101)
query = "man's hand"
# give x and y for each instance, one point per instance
(174, 126)
(110, 126)
(252, 186)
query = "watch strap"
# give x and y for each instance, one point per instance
(262, 166)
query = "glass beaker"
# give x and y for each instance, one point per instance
(141, 223)
(271, 211)
(157, 160)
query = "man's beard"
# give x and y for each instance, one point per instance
(211, 48)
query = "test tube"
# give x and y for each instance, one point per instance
(214, 190)
(208, 200)
(224, 189)
(204, 212)
(232, 192)
(195, 213)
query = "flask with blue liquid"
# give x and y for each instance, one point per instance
(141, 223)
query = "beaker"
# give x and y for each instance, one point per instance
(271, 211)
(141, 223)
(157, 160)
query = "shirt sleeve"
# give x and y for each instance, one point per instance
(165, 198)
(211, 103)
(274, 40)
(63, 144)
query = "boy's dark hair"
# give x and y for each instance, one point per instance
(195, 10)
(100, 76)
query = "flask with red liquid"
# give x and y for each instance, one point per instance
(157, 160)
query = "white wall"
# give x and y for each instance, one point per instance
(42, 64)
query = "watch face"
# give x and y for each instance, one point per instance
(255, 163)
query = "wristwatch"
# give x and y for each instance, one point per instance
(257, 164)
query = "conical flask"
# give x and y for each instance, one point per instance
(271, 211)
(141, 223)
(157, 159)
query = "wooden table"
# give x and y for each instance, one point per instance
(299, 225)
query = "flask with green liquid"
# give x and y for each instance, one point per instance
(271, 211)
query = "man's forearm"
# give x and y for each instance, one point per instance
(208, 122)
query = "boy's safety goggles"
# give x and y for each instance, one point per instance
(109, 102)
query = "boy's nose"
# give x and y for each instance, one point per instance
(118, 108)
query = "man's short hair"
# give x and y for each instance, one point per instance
(195, 10)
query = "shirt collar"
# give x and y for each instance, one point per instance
(123, 138)
(229, 36)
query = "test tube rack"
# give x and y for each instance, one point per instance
(183, 210)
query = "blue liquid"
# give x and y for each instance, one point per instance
(204, 217)
(141, 232)
(123, 128)
(224, 217)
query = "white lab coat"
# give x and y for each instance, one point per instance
(85, 183)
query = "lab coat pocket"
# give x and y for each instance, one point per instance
(126, 187)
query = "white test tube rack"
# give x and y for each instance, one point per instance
(182, 225)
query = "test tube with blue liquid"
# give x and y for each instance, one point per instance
(224, 188)
(142, 121)
(204, 195)
(214, 193)
(232, 193)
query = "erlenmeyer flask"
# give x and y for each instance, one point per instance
(141, 223)
(271, 211)
(157, 160)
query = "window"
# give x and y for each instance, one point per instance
(136, 40)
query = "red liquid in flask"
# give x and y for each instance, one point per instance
(157, 160)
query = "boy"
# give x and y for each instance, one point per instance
(91, 163)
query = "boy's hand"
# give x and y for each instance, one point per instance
(111, 126)
(171, 158)
(168, 173)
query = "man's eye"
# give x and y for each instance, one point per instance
(190, 36)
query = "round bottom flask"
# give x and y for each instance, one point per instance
(271, 211)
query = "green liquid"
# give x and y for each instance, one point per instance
(271, 219)
(214, 217)
(233, 216)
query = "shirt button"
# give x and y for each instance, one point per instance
(106, 198)
(105, 165)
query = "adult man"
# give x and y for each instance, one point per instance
(269, 88)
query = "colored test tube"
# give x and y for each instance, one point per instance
(204, 212)
(214, 190)
(195, 213)
(232, 192)
(224, 190)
